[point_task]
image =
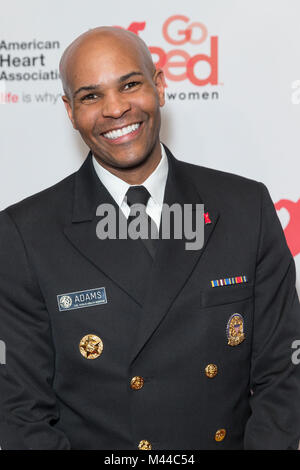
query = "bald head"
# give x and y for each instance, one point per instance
(102, 40)
(113, 96)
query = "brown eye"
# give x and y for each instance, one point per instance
(131, 85)
(89, 97)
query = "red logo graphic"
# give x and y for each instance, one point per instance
(292, 230)
(206, 218)
(178, 30)
(135, 27)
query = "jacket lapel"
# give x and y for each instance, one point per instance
(173, 263)
(126, 262)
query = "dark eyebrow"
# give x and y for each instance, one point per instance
(122, 79)
(128, 75)
(85, 88)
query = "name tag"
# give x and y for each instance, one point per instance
(81, 299)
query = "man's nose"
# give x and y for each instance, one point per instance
(115, 105)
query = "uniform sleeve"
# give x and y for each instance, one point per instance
(28, 405)
(274, 380)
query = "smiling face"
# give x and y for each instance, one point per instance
(113, 98)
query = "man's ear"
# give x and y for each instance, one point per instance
(68, 107)
(160, 83)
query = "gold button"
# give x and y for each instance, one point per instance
(137, 383)
(145, 445)
(91, 346)
(211, 370)
(220, 435)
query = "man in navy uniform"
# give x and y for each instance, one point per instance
(116, 344)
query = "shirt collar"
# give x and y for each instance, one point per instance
(155, 183)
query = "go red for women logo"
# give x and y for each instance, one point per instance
(292, 230)
(179, 31)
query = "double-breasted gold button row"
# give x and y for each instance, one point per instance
(137, 382)
(91, 347)
(146, 445)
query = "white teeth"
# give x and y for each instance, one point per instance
(120, 132)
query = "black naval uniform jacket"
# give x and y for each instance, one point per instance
(164, 324)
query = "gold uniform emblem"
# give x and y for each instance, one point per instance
(91, 346)
(137, 382)
(211, 370)
(220, 435)
(145, 445)
(235, 330)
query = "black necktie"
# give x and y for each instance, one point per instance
(140, 195)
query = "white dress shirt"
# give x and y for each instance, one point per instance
(155, 184)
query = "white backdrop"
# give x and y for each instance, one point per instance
(245, 120)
